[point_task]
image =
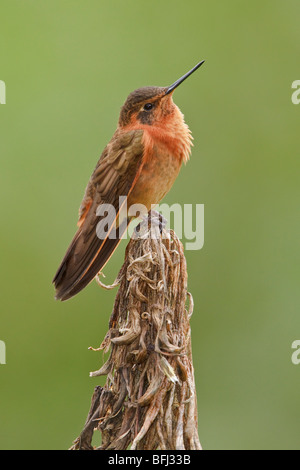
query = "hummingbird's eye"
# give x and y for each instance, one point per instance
(148, 106)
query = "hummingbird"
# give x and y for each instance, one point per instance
(139, 165)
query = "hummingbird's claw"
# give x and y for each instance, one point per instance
(150, 221)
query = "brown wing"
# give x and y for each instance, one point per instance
(91, 247)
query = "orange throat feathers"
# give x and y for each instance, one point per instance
(171, 132)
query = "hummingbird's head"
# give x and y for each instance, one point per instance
(148, 105)
(151, 106)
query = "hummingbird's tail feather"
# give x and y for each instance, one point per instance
(81, 265)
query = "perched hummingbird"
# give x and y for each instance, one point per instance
(140, 163)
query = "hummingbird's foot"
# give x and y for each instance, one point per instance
(157, 219)
(149, 222)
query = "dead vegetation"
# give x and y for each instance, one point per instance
(149, 398)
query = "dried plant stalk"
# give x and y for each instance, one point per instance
(149, 399)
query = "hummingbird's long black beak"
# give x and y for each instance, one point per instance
(180, 80)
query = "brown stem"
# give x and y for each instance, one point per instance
(149, 399)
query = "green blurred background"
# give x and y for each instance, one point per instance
(68, 67)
